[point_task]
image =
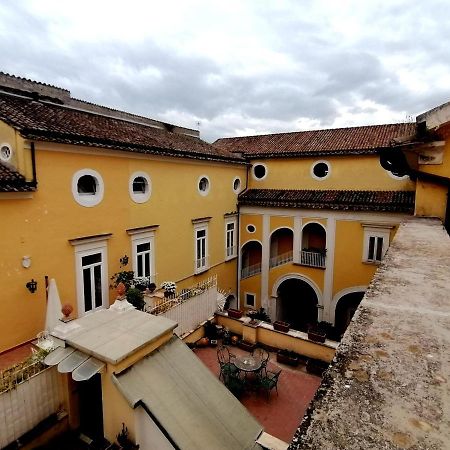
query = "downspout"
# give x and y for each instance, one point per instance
(33, 165)
(238, 278)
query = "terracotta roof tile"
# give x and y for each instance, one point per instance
(52, 122)
(392, 201)
(12, 181)
(346, 141)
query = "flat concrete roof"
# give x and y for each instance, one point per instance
(111, 336)
(388, 386)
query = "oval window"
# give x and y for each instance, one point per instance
(87, 187)
(259, 171)
(203, 185)
(236, 185)
(5, 152)
(251, 228)
(320, 170)
(139, 187)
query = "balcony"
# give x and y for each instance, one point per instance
(279, 260)
(249, 271)
(312, 259)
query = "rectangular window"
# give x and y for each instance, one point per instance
(376, 242)
(91, 274)
(143, 254)
(375, 252)
(92, 281)
(230, 238)
(250, 300)
(200, 253)
(201, 256)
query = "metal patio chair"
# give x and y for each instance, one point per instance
(270, 381)
(225, 359)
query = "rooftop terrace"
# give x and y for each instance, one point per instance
(388, 385)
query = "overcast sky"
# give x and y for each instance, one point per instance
(237, 67)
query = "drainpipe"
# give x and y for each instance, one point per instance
(33, 165)
(238, 278)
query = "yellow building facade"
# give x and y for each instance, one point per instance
(296, 223)
(167, 206)
(316, 220)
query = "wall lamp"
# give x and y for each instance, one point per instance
(32, 285)
(124, 260)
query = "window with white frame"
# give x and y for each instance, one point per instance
(201, 247)
(87, 187)
(143, 252)
(139, 187)
(376, 242)
(250, 299)
(230, 238)
(91, 261)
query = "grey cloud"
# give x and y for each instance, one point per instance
(326, 73)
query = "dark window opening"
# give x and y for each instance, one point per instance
(320, 170)
(87, 184)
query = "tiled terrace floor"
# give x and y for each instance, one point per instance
(280, 416)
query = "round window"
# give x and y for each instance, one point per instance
(320, 170)
(251, 228)
(139, 187)
(203, 185)
(5, 152)
(87, 187)
(236, 185)
(259, 171)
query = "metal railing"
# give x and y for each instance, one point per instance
(29, 395)
(312, 259)
(190, 307)
(249, 271)
(278, 260)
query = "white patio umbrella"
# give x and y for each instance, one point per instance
(53, 307)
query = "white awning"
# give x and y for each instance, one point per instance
(80, 364)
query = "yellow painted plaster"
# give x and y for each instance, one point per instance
(295, 173)
(277, 222)
(42, 226)
(250, 219)
(314, 274)
(252, 285)
(349, 270)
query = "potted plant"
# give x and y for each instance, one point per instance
(125, 276)
(136, 297)
(124, 441)
(170, 288)
(260, 314)
(316, 334)
(288, 357)
(234, 313)
(278, 325)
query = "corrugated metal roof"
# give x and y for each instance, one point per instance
(190, 403)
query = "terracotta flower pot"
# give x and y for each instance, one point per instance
(234, 313)
(281, 326)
